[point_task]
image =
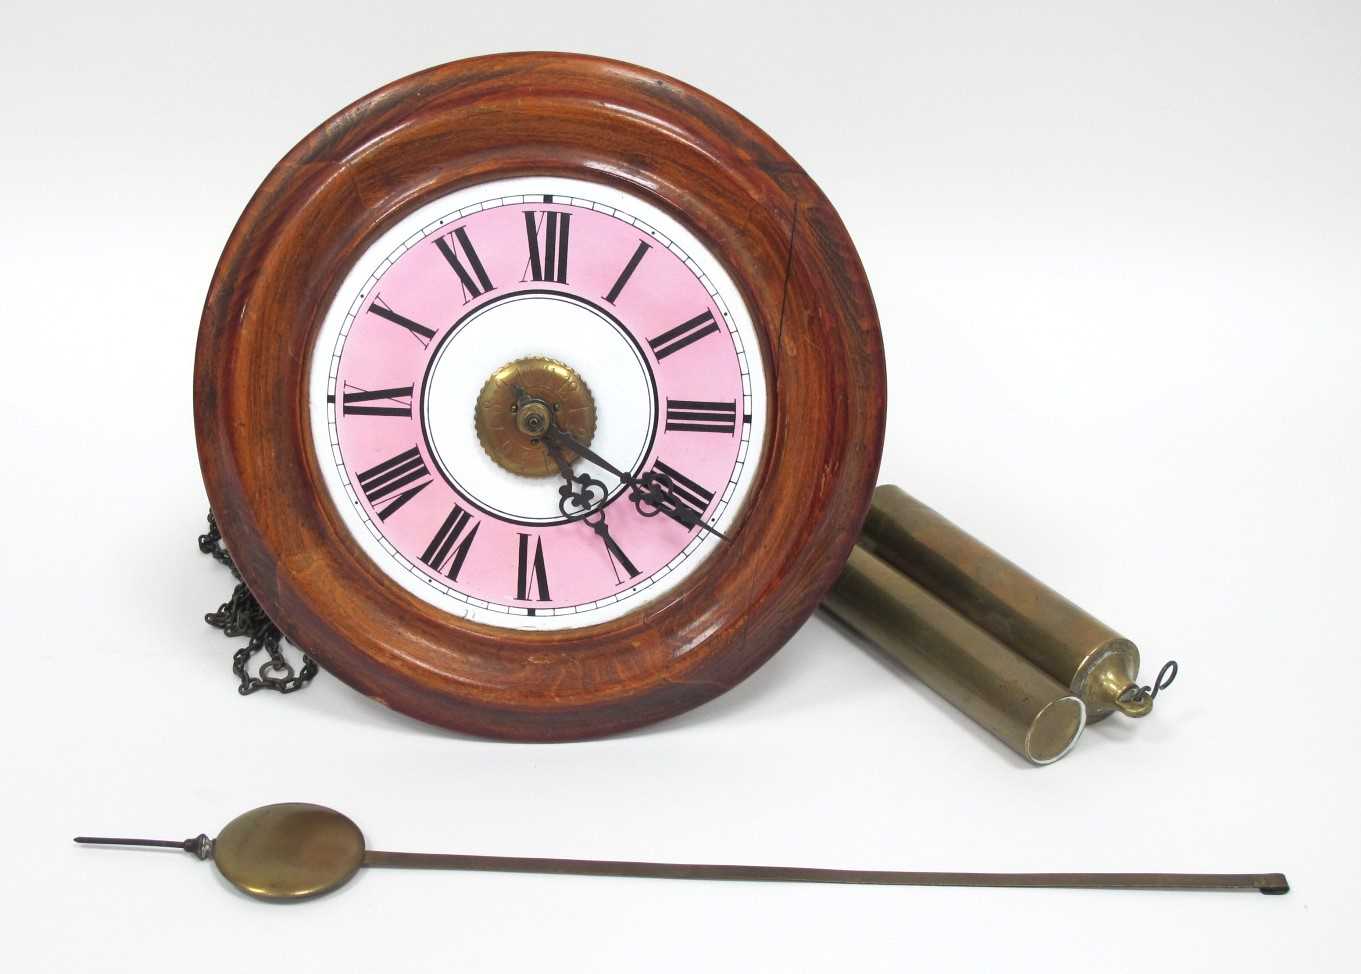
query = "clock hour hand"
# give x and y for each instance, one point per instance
(576, 493)
(650, 489)
(575, 500)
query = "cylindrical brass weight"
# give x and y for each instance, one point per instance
(1030, 712)
(1093, 660)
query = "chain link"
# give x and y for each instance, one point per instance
(242, 615)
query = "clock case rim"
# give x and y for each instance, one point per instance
(557, 115)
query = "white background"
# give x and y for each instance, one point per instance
(1116, 253)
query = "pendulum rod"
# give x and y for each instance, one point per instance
(157, 843)
(1271, 883)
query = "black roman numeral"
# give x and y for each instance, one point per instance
(356, 403)
(617, 558)
(475, 284)
(382, 310)
(442, 550)
(524, 583)
(670, 342)
(627, 272)
(686, 491)
(550, 262)
(390, 476)
(701, 417)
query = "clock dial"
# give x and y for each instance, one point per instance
(465, 337)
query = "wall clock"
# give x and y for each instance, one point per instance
(539, 396)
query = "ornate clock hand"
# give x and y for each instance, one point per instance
(556, 434)
(580, 498)
(565, 469)
(652, 489)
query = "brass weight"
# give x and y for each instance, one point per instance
(1087, 656)
(1034, 715)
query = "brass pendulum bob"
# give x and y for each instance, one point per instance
(295, 851)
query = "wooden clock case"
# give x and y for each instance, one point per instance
(540, 114)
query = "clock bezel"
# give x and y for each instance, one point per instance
(557, 115)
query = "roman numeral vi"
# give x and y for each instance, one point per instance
(531, 572)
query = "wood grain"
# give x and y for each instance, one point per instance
(540, 114)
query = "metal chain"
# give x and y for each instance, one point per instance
(242, 616)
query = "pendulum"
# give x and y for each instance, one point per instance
(293, 851)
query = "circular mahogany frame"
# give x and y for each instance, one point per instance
(540, 114)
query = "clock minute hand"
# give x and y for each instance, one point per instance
(556, 434)
(649, 492)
